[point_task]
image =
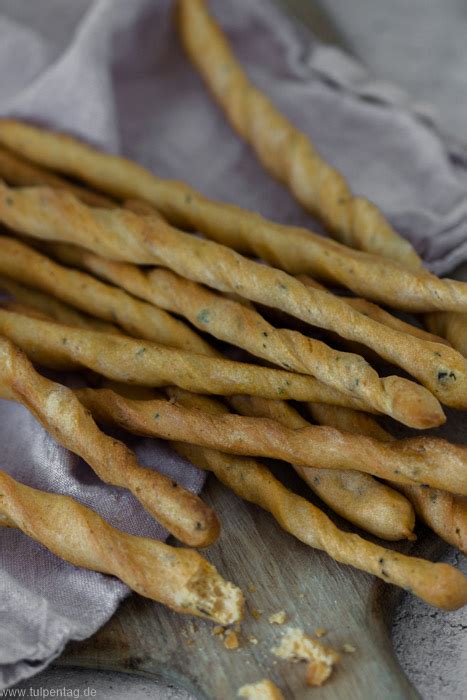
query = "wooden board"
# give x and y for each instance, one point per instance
(146, 639)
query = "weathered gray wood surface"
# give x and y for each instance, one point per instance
(145, 638)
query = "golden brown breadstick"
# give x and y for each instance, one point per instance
(287, 153)
(179, 578)
(450, 325)
(444, 512)
(387, 515)
(378, 314)
(52, 308)
(413, 460)
(209, 311)
(119, 234)
(437, 584)
(298, 251)
(145, 363)
(23, 264)
(55, 406)
(354, 495)
(19, 172)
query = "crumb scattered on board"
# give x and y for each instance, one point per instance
(256, 613)
(320, 632)
(348, 648)
(252, 639)
(231, 640)
(263, 690)
(295, 645)
(278, 618)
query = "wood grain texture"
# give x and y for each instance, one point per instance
(149, 640)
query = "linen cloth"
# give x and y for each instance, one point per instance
(113, 73)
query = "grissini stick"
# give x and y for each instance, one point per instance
(388, 515)
(437, 584)
(209, 311)
(52, 308)
(287, 153)
(56, 407)
(413, 460)
(443, 512)
(367, 308)
(121, 234)
(19, 172)
(142, 362)
(450, 325)
(355, 496)
(296, 249)
(177, 577)
(137, 318)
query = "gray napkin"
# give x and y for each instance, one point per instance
(113, 73)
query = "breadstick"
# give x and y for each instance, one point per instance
(145, 363)
(387, 516)
(414, 460)
(287, 153)
(19, 172)
(179, 578)
(438, 584)
(211, 312)
(378, 314)
(296, 249)
(52, 308)
(23, 264)
(444, 513)
(55, 406)
(355, 496)
(119, 233)
(450, 325)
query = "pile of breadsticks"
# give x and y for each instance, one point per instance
(104, 273)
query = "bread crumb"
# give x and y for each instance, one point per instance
(231, 640)
(218, 630)
(252, 588)
(252, 639)
(190, 642)
(320, 632)
(256, 613)
(349, 648)
(298, 646)
(263, 690)
(278, 618)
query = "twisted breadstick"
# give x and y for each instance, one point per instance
(355, 496)
(367, 308)
(298, 251)
(55, 406)
(450, 325)
(118, 234)
(145, 363)
(19, 172)
(415, 460)
(179, 578)
(444, 513)
(23, 264)
(52, 308)
(286, 153)
(387, 515)
(437, 584)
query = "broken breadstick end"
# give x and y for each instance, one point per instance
(263, 690)
(211, 596)
(298, 646)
